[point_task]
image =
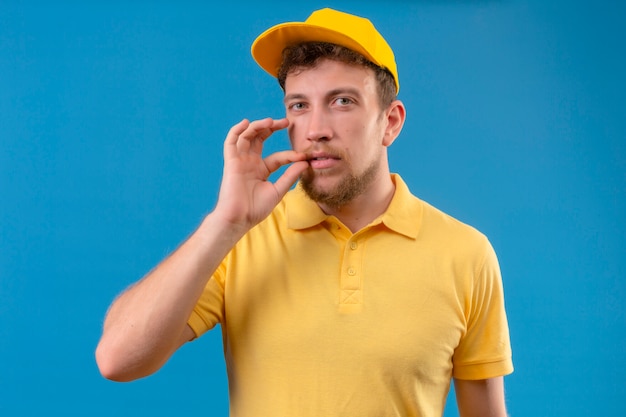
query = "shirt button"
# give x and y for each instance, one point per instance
(353, 245)
(351, 271)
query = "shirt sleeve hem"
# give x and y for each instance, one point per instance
(486, 370)
(197, 324)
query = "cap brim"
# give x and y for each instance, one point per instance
(268, 47)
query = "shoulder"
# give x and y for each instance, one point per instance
(432, 222)
(437, 221)
(445, 233)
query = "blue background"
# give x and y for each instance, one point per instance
(112, 116)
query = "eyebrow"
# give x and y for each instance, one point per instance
(344, 90)
(290, 97)
(335, 92)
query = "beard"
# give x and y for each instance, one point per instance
(348, 188)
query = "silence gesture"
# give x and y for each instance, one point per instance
(246, 196)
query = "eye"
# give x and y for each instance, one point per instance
(343, 101)
(297, 106)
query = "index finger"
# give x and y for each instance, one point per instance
(253, 136)
(262, 129)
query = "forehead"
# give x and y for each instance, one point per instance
(329, 74)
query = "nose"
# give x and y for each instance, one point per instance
(318, 125)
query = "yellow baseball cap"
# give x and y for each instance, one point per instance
(325, 25)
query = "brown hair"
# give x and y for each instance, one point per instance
(308, 54)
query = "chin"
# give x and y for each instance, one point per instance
(320, 182)
(337, 191)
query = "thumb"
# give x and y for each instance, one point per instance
(289, 177)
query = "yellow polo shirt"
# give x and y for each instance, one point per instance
(318, 321)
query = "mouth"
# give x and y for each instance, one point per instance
(322, 160)
(321, 156)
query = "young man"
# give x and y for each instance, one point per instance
(346, 296)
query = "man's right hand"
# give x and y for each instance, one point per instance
(246, 196)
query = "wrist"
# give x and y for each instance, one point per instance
(215, 227)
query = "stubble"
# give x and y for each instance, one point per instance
(346, 190)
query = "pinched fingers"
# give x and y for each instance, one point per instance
(276, 160)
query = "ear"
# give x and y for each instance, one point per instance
(395, 116)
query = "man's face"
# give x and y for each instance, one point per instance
(335, 118)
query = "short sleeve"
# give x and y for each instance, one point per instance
(209, 310)
(485, 349)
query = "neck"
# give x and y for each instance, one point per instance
(366, 207)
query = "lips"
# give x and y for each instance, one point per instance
(322, 160)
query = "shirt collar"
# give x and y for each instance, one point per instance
(403, 216)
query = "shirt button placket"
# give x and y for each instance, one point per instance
(351, 281)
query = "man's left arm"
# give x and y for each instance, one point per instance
(480, 398)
